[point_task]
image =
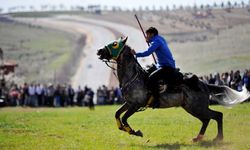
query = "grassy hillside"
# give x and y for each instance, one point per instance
(39, 52)
(80, 128)
(227, 50)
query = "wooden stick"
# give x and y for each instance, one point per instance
(144, 35)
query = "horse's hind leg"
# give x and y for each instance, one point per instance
(218, 116)
(202, 131)
(205, 116)
(117, 115)
(126, 126)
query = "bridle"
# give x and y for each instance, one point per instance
(133, 78)
(113, 62)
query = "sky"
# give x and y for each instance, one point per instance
(125, 4)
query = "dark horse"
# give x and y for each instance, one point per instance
(194, 99)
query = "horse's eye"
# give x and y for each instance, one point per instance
(115, 43)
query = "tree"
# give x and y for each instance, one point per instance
(140, 9)
(32, 8)
(222, 4)
(235, 4)
(229, 5)
(202, 6)
(207, 6)
(105, 7)
(215, 5)
(242, 4)
(167, 8)
(61, 6)
(53, 7)
(181, 7)
(195, 7)
(153, 8)
(161, 8)
(174, 7)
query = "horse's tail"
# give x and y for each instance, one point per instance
(227, 96)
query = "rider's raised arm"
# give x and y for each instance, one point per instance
(154, 45)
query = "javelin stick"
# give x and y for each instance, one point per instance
(144, 34)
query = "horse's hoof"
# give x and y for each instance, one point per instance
(139, 133)
(218, 139)
(198, 138)
(122, 128)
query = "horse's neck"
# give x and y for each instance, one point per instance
(127, 69)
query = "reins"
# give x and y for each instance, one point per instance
(107, 61)
(113, 69)
(133, 79)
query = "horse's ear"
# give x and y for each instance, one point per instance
(124, 40)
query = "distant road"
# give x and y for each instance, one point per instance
(91, 71)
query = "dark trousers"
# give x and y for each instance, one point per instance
(71, 100)
(165, 73)
(40, 99)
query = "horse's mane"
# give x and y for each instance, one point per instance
(127, 49)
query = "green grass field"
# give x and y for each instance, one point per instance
(80, 128)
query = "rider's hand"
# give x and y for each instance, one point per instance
(133, 51)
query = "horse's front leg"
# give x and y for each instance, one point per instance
(117, 116)
(126, 127)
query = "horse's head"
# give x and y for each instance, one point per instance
(112, 50)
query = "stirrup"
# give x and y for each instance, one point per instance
(162, 88)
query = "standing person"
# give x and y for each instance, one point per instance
(105, 94)
(231, 77)
(226, 79)
(246, 79)
(86, 96)
(25, 91)
(80, 96)
(39, 93)
(218, 80)
(211, 79)
(63, 96)
(91, 94)
(14, 96)
(99, 96)
(57, 96)
(165, 61)
(111, 96)
(118, 95)
(50, 94)
(32, 95)
(71, 94)
(236, 82)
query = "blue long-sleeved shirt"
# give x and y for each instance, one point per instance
(164, 56)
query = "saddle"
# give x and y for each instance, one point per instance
(173, 85)
(191, 81)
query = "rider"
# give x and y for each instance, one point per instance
(165, 61)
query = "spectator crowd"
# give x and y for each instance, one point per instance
(234, 79)
(38, 95)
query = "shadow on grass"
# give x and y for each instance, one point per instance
(207, 144)
(176, 146)
(170, 146)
